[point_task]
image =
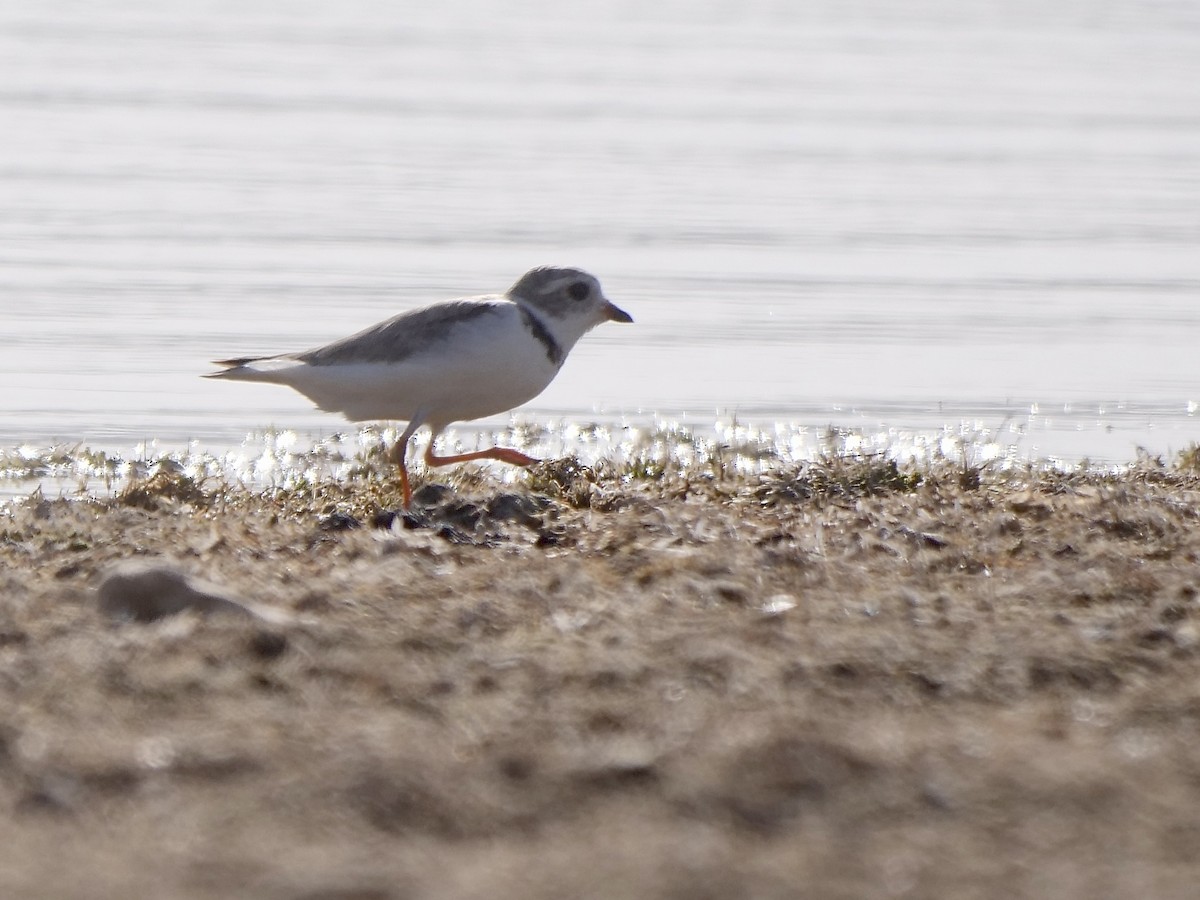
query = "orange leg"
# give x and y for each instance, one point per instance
(397, 456)
(400, 450)
(504, 454)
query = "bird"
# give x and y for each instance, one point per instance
(447, 362)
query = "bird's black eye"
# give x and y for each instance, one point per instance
(579, 290)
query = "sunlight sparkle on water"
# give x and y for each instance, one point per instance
(286, 459)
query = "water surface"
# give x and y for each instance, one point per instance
(941, 216)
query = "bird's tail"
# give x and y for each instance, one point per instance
(243, 369)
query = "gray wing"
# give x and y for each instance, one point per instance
(404, 335)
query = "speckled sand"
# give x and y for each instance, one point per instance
(798, 684)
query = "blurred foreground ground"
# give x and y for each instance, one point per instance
(837, 681)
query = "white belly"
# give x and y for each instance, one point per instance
(482, 372)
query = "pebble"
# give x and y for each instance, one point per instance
(146, 592)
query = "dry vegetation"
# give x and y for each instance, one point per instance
(843, 679)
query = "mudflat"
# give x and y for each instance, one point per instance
(837, 680)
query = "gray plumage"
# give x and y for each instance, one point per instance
(401, 335)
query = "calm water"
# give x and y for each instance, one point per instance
(864, 214)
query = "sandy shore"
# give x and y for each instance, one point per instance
(837, 681)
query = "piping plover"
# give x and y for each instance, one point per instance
(451, 361)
